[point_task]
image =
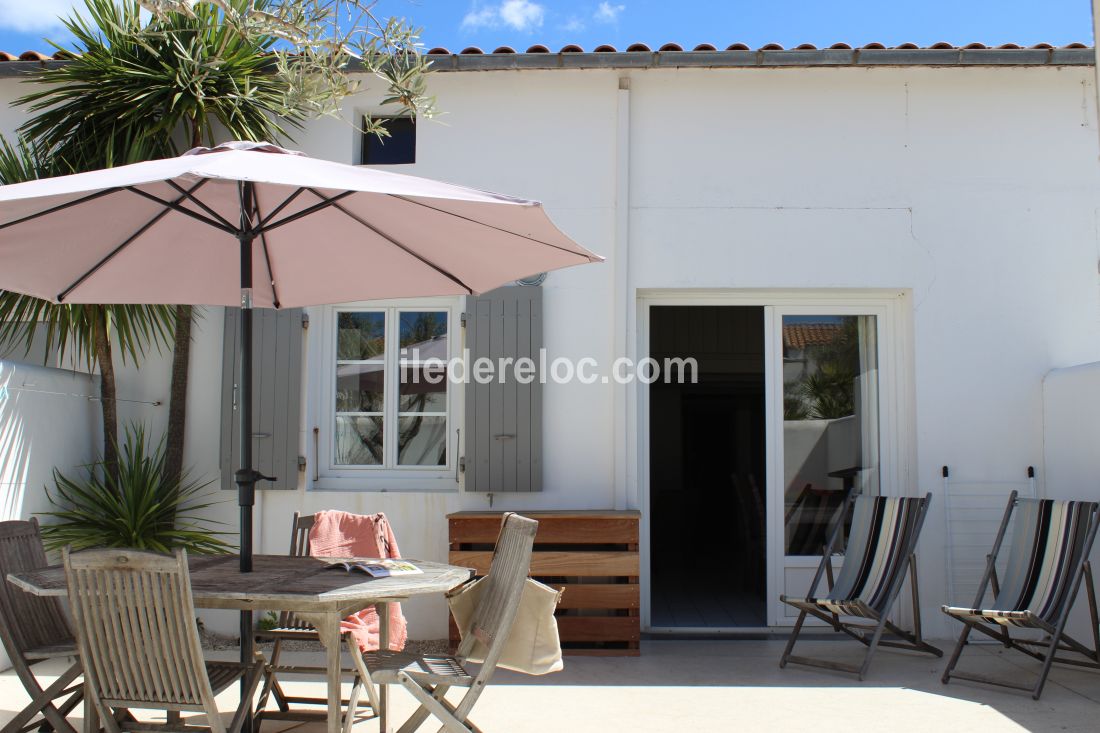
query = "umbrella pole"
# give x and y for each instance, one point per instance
(246, 477)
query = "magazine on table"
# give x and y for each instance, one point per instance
(378, 568)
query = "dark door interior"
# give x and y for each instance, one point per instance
(707, 481)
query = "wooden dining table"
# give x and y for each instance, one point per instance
(310, 587)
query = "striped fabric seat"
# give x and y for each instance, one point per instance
(881, 551)
(883, 531)
(1047, 545)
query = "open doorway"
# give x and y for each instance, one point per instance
(707, 470)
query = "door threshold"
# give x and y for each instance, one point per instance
(692, 633)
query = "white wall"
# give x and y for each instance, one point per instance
(49, 418)
(974, 189)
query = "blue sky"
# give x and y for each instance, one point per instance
(456, 24)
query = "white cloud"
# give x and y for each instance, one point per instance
(573, 25)
(608, 13)
(519, 14)
(40, 15)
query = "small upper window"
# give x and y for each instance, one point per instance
(397, 148)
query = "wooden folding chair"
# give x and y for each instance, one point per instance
(428, 678)
(881, 550)
(135, 626)
(291, 628)
(1048, 557)
(34, 628)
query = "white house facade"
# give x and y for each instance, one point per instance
(924, 221)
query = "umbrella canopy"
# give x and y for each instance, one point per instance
(167, 231)
(254, 225)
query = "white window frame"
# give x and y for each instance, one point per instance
(389, 476)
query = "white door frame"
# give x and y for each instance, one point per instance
(896, 396)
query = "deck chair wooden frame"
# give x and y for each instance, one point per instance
(996, 622)
(876, 617)
(291, 628)
(35, 628)
(428, 678)
(135, 625)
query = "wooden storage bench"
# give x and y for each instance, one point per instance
(591, 555)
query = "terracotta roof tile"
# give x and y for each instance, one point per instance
(801, 335)
(572, 48)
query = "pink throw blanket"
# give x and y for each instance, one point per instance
(341, 534)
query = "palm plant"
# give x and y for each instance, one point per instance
(91, 332)
(130, 507)
(136, 86)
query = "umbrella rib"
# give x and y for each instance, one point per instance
(187, 212)
(60, 207)
(400, 246)
(487, 226)
(126, 243)
(263, 243)
(324, 204)
(197, 202)
(267, 219)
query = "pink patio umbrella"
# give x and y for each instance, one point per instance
(255, 225)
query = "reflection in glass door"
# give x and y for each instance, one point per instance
(830, 422)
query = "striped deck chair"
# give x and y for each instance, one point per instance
(1048, 557)
(881, 550)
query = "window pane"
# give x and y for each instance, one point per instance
(423, 335)
(830, 422)
(358, 441)
(360, 387)
(423, 389)
(360, 336)
(422, 441)
(397, 148)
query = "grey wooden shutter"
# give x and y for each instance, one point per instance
(276, 401)
(503, 432)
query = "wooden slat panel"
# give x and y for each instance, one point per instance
(503, 419)
(575, 529)
(496, 400)
(599, 628)
(583, 564)
(620, 595)
(276, 403)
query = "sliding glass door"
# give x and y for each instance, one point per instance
(828, 427)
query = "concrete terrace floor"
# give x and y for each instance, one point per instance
(737, 685)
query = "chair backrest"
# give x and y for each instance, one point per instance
(135, 623)
(299, 534)
(27, 621)
(496, 609)
(883, 534)
(1049, 541)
